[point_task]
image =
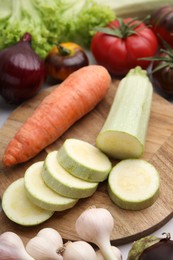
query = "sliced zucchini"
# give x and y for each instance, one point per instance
(84, 160)
(20, 209)
(133, 184)
(40, 194)
(64, 183)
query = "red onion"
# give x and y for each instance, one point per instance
(22, 72)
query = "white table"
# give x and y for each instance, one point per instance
(5, 110)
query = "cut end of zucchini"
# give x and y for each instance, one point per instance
(84, 160)
(20, 209)
(133, 184)
(124, 132)
(119, 145)
(64, 183)
(40, 194)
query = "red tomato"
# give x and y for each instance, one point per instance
(162, 23)
(119, 46)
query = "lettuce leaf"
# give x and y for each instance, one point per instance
(51, 21)
(33, 16)
(84, 15)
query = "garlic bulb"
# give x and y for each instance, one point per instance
(45, 245)
(51, 234)
(12, 247)
(95, 225)
(78, 250)
(116, 251)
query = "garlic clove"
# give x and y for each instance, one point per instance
(94, 222)
(12, 247)
(52, 235)
(96, 225)
(117, 254)
(78, 250)
(40, 248)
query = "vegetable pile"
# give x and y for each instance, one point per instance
(77, 168)
(119, 46)
(72, 173)
(66, 104)
(56, 184)
(51, 21)
(128, 42)
(23, 72)
(61, 29)
(57, 27)
(48, 243)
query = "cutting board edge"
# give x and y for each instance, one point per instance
(146, 232)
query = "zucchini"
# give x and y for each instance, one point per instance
(135, 8)
(133, 184)
(84, 160)
(18, 208)
(124, 132)
(40, 194)
(64, 183)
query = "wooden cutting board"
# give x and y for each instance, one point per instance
(129, 225)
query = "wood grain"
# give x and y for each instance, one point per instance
(129, 225)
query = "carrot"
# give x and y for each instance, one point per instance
(67, 103)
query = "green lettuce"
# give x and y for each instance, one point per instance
(51, 21)
(81, 19)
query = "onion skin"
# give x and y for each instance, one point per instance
(22, 72)
(152, 248)
(64, 59)
(163, 250)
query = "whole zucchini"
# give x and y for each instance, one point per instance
(123, 133)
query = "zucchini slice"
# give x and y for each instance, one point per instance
(84, 160)
(64, 183)
(19, 208)
(133, 184)
(40, 194)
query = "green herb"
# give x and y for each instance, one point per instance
(51, 21)
(165, 58)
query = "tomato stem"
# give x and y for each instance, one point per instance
(124, 30)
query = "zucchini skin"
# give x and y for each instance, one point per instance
(124, 131)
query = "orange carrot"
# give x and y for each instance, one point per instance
(71, 100)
